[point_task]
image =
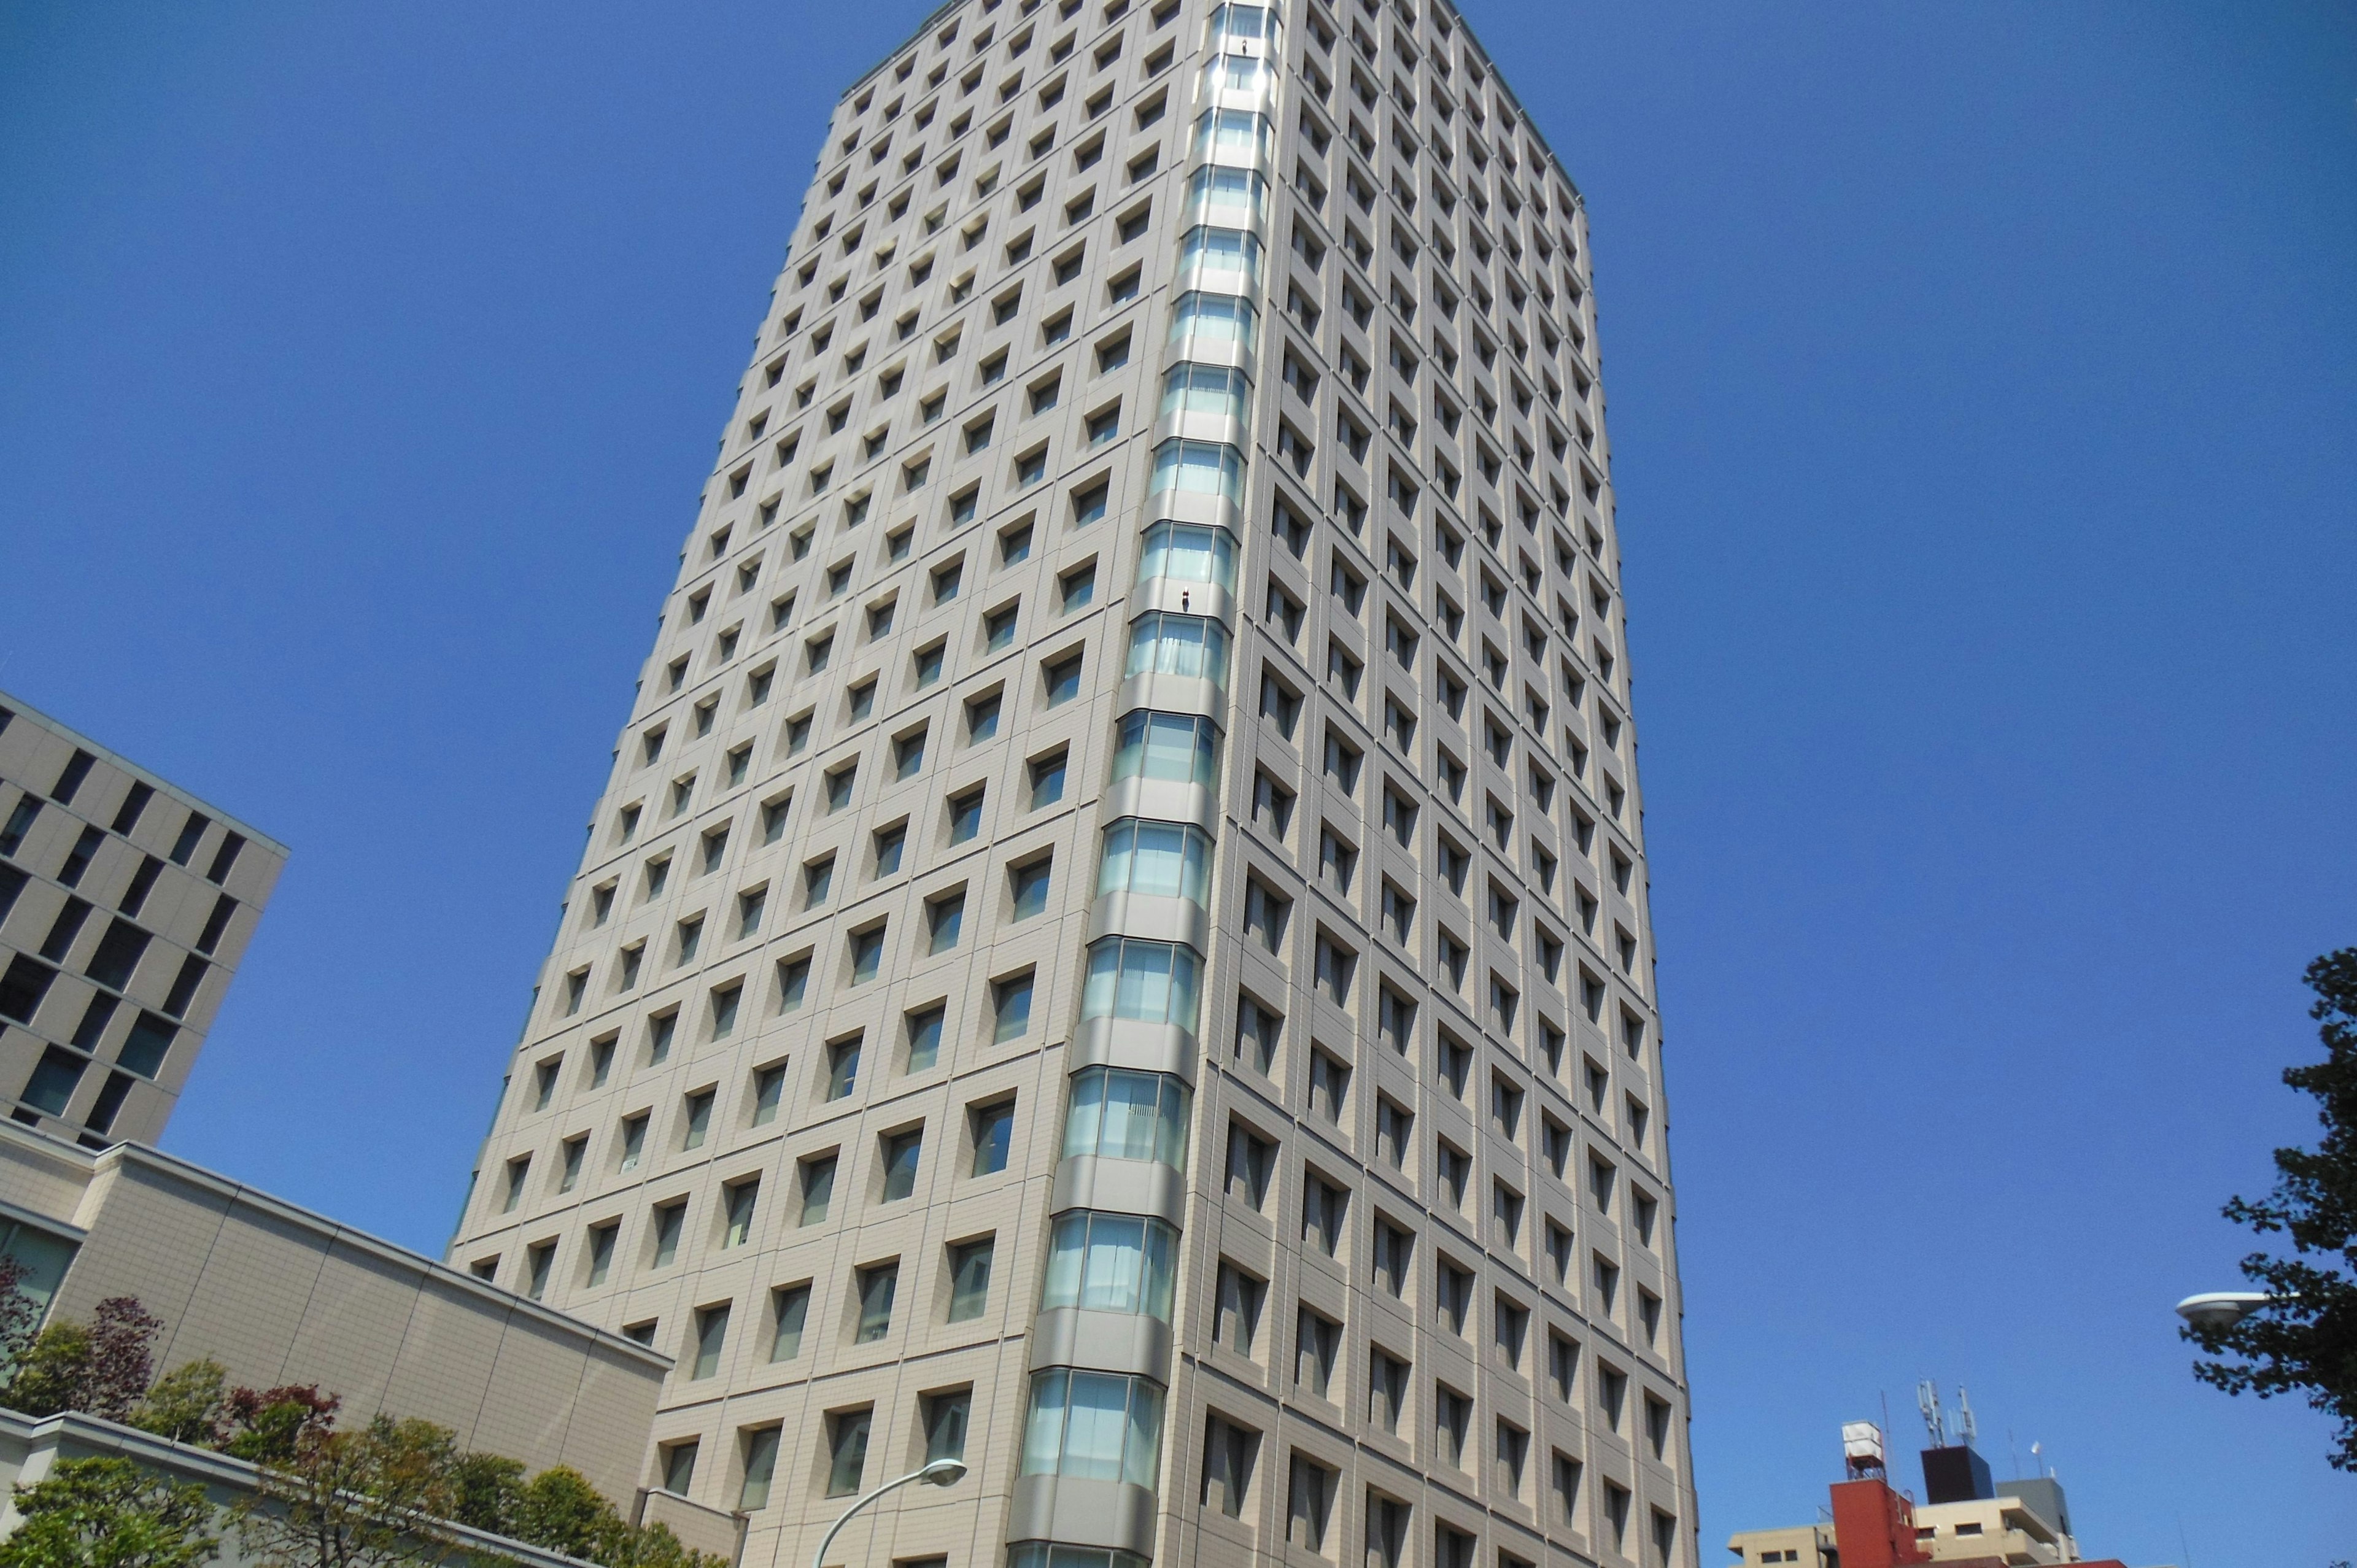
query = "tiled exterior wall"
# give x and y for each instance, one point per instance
(125, 907)
(1427, 684)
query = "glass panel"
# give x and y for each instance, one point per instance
(1155, 860)
(1235, 135)
(1142, 1456)
(1154, 983)
(1092, 1427)
(1206, 389)
(1199, 467)
(1104, 974)
(1144, 992)
(1065, 1250)
(1192, 646)
(1170, 747)
(760, 1467)
(1188, 552)
(1234, 73)
(1215, 318)
(1233, 195)
(1120, 1114)
(1114, 1266)
(1133, 1103)
(1161, 1270)
(1043, 1430)
(1171, 1135)
(1240, 22)
(1084, 1118)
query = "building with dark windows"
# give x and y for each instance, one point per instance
(1116, 943)
(125, 904)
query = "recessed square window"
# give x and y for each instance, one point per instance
(1047, 778)
(1026, 888)
(965, 816)
(945, 918)
(1062, 679)
(1011, 1008)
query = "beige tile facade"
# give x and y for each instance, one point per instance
(1427, 1122)
(124, 906)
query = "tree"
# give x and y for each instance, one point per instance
(188, 1405)
(2304, 1340)
(376, 1498)
(561, 1510)
(269, 1426)
(101, 1368)
(108, 1513)
(20, 1315)
(486, 1489)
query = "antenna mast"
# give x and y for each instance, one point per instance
(1927, 1399)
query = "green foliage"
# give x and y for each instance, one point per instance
(561, 1510)
(375, 1497)
(188, 1405)
(485, 1491)
(269, 1426)
(383, 1496)
(20, 1315)
(108, 1513)
(2305, 1339)
(101, 1368)
(49, 1370)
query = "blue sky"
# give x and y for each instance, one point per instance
(1981, 385)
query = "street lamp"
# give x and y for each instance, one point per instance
(2222, 1308)
(940, 1473)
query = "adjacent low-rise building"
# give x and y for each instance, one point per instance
(1969, 1521)
(278, 1295)
(125, 904)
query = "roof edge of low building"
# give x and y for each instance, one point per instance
(23, 1142)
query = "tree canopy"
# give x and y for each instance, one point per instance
(2304, 1339)
(109, 1513)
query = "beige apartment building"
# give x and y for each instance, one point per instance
(1116, 943)
(125, 904)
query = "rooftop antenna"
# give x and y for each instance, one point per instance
(1966, 1427)
(1927, 1399)
(2035, 1450)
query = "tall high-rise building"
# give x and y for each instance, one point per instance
(125, 904)
(1116, 943)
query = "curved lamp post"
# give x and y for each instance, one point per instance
(2222, 1308)
(940, 1473)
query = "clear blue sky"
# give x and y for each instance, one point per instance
(1982, 405)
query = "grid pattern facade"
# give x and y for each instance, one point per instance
(1118, 922)
(125, 907)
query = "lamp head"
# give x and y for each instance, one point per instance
(943, 1473)
(2221, 1308)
